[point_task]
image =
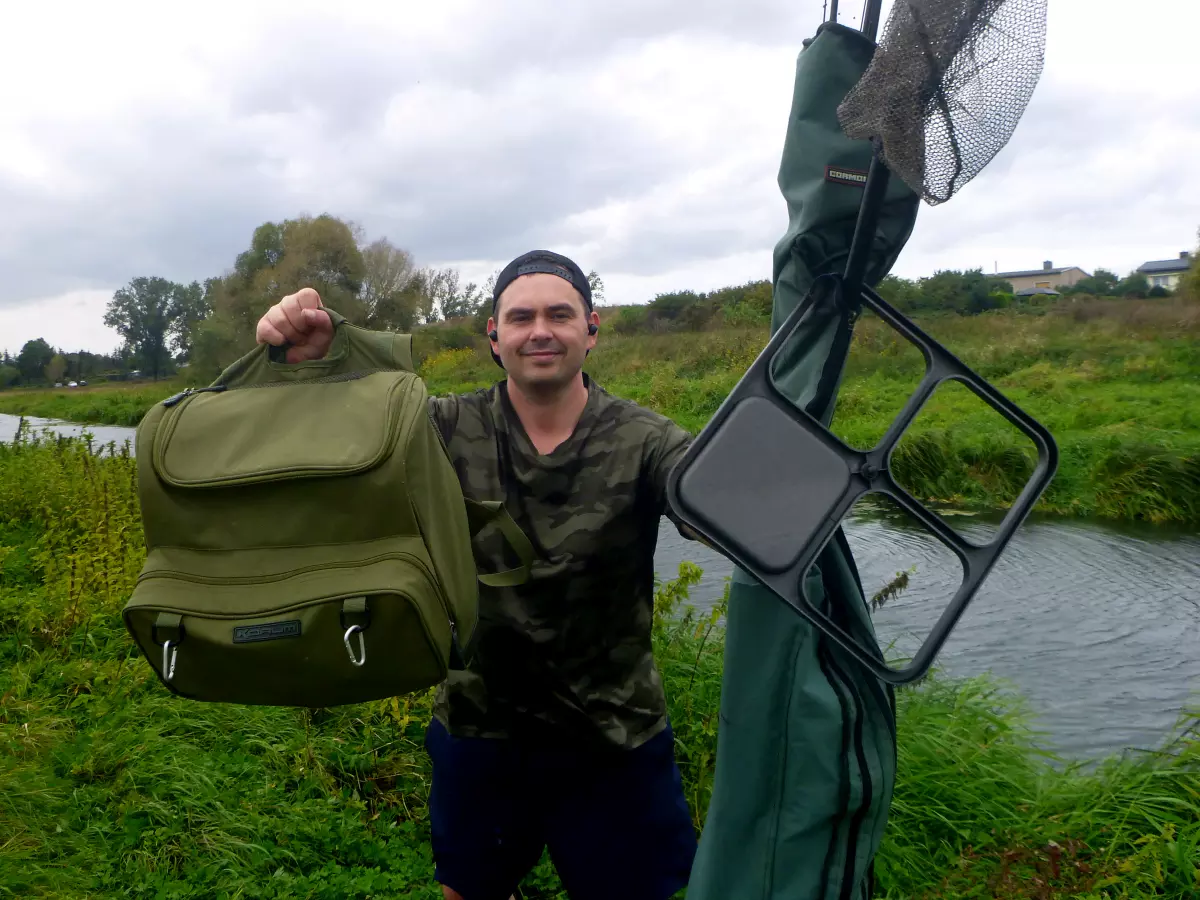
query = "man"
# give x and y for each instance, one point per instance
(556, 734)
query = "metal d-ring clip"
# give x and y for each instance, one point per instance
(170, 654)
(362, 645)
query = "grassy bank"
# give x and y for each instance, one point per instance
(1116, 382)
(113, 788)
(109, 404)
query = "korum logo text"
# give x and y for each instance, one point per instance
(845, 176)
(268, 631)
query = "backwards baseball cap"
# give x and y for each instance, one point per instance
(545, 262)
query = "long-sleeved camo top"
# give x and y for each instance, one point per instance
(566, 656)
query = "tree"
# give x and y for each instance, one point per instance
(464, 303)
(321, 253)
(33, 359)
(440, 291)
(55, 368)
(1133, 285)
(945, 289)
(680, 310)
(8, 373)
(266, 250)
(489, 286)
(141, 313)
(1100, 284)
(189, 306)
(985, 292)
(966, 293)
(597, 286)
(1189, 285)
(901, 293)
(391, 287)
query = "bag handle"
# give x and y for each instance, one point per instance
(481, 513)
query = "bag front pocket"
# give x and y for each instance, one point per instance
(282, 430)
(368, 625)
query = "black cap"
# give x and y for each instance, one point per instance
(543, 262)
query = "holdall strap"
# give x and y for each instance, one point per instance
(481, 513)
(402, 353)
(355, 612)
(168, 627)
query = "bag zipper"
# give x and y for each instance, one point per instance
(249, 579)
(283, 576)
(183, 395)
(253, 579)
(218, 388)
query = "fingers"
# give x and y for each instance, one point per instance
(281, 324)
(294, 306)
(303, 353)
(317, 322)
(317, 338)
(291, 319)
(298, 319)
(269, 334)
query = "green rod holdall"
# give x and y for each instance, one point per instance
(308, 543)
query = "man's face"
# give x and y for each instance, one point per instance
(542, 325)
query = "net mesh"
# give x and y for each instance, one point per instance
(946, 88)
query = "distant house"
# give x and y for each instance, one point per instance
(1046, 277)
(1165, 273)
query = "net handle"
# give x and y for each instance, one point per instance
(873, 191)
(870, 16)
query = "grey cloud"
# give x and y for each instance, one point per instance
(186, 200)
(304, 122)
(326, 62)
(179, 209)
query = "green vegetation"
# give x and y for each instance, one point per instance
(1117, 382)
(38, 364)
(112, 787)
(948, 290)
(113, 404)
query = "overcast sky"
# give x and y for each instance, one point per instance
(640, 136)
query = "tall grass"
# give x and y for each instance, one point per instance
(111, 787)
(112, 404)
(1117, 383)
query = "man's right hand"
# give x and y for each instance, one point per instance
(298, 319)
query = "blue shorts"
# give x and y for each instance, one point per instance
(615, 822)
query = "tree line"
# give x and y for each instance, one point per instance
(968, 292)
(165, 325)
(39, 363)
(749, 304)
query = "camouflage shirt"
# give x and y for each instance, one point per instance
(568, 654)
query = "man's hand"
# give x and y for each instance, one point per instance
(298, 319)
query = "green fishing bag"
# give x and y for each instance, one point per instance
(308, 543)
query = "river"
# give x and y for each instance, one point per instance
(1097, 626)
